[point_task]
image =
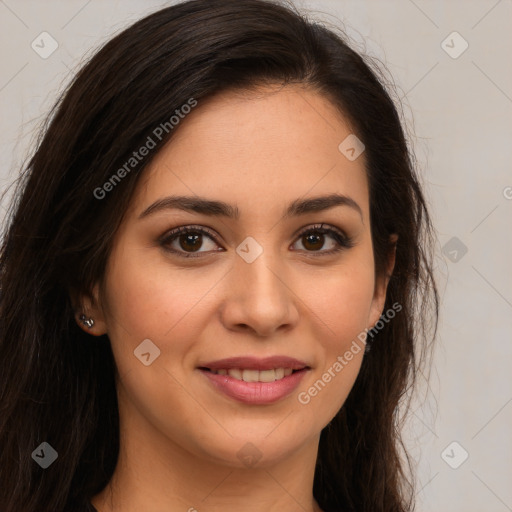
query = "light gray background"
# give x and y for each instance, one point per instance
(460, 112)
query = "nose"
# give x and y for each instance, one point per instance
(259, 298)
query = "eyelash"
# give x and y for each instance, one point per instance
(344, 242)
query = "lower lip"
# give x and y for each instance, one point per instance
(256, 393)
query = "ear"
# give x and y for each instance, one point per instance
(90, 306)
(381, 284)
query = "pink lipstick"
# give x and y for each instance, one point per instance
(256, 381)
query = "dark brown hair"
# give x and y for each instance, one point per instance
(58, 383)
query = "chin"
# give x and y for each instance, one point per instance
(259, 450)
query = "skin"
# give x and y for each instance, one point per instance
(257, 150)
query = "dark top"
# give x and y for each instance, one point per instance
(82, 506)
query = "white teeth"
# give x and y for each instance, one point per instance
(250, 375)
(256, 375)
(235, 373)
(267, 376)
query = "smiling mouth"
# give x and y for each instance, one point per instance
(251, 375)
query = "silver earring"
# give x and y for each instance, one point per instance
(89, 322)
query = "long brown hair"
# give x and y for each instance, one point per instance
(57, 383)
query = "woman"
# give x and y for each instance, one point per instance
(210, 276)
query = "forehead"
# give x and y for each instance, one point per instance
(264, 148)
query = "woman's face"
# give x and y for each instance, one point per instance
(262, 282)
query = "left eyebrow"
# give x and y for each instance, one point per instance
(214, 208)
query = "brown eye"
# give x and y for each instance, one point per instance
(190, 241)
(314, 238)
(313, 242)
(187, 240)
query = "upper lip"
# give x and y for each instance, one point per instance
(255, 363)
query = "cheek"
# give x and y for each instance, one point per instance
(154, 300)
(341, 305)
(344, 306)
(341, 297)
